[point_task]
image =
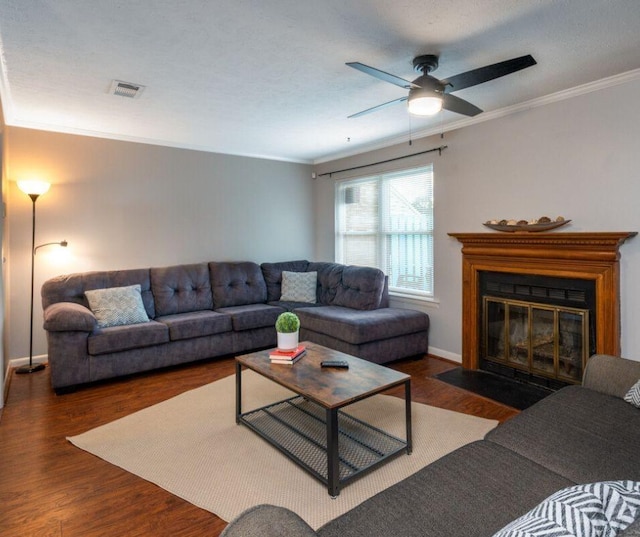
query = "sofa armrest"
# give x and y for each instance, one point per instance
(268, 521)
(68, 316)
(611, 375)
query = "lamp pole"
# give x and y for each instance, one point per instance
(34, 189)
(31, 368)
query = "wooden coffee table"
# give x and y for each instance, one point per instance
(310, 428)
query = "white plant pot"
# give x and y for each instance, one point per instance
(287, 341)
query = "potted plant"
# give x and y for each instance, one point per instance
(287, 327)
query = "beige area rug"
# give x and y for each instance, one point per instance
(191, 446)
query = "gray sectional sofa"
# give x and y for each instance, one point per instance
(578, 435)
(204, 310)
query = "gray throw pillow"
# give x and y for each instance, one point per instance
(299, 286)
(116, 306)
(594, 510)
(633, 395)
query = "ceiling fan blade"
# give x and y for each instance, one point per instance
(460, 106)
(379, 107)
(489, 72)
(381, 75)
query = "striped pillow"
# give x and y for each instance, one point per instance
(592, 510)
(633, 395)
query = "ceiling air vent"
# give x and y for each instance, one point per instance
(126, 89)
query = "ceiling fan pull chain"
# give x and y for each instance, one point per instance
(410, 132)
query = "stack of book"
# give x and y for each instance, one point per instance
(287, 357)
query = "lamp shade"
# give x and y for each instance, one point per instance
(31, 188)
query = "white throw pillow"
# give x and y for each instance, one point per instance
(633, 395)
(592, 510)
(299, 286)
(116, 306)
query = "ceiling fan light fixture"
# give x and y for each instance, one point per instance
(425, 106)
(425, 100)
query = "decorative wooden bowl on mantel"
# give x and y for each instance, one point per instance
(520, 227)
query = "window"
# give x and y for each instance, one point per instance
(386, 221)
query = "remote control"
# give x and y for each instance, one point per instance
(335, 363)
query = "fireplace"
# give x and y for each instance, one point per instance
(537, 305)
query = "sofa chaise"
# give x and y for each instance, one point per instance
(144, 319)
(579, 435)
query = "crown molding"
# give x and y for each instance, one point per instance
(139, 140)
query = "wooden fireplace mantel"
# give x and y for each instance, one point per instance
(590, 256)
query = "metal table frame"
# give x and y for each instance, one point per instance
(295, 420)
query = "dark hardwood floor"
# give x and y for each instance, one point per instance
(50, 488)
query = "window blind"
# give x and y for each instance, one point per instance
(386, 221)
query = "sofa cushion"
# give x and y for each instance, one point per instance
(349, 286)
(181, 289)
(361, 288)
(121, 338)
(472, 492)
(252, 316)
(579, 433)
(195, 324)
(329, 279)
(237, 284)
(71, 287)
(611, 375)
(272, 273)
(358, 326)
(299, 286)
(381, 351)
(590, 510)
(117, 306)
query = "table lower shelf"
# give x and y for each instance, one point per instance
(298, 428)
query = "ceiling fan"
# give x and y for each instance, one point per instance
(428, 95)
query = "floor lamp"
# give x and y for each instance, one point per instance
(34, 189)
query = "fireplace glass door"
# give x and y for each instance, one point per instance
(541, 339)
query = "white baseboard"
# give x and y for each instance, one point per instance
(17, 362)
(445, 354)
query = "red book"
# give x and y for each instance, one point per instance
(288, 361)
(277, 354)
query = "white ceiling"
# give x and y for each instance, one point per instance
(268, 78)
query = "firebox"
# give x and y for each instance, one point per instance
(537, 328)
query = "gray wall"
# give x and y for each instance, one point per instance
(578, 158)
(3, 234)
(127, 205)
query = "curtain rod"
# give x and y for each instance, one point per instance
(438, 149)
